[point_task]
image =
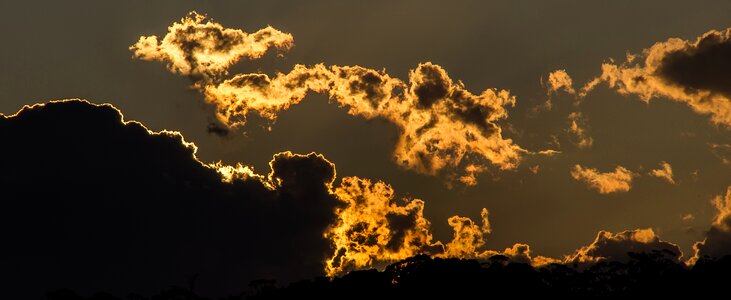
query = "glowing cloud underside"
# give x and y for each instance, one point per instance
(443, 125)
(620, 180)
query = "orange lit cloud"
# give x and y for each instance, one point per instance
(694, 72)
(443, 125)
(558, 80)
(617, 247)
(578, 127)
(664, 172)
(201, 48)
(372, 227)
(468, 236)
(610, 182)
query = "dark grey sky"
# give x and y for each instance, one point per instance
(79, 49)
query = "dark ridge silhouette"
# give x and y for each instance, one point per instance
(91, 203)
(644, 275)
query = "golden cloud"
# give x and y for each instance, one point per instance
(558, 80)
(610, 182)
(664, 172)
(578, 127)
(443, 125)
(201, 48)
(373, 228)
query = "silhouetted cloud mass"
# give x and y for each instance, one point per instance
(617, 247)
(94, 203)
(717, 242)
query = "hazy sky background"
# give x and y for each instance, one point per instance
(79, 49)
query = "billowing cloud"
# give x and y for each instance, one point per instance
(373, 228)
(620, 180)
(616, 247)
(665, 172)
(202, 49)
(717, 242)
(695, 72)
(578, 128)
(558, 80)
(443, 125)
(468, 236)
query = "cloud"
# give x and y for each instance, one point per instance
(610, 182)
(373, 228)
(578, 127)
(695, 72)
(443, 125)
(558, 80)
(91, 202)
(717, 242)
(95, 202)
(204, 49)
(468, 236)
(665, 172)
(616, 247)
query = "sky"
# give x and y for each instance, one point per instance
(638, 140)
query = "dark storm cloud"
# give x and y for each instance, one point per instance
(92, 203)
